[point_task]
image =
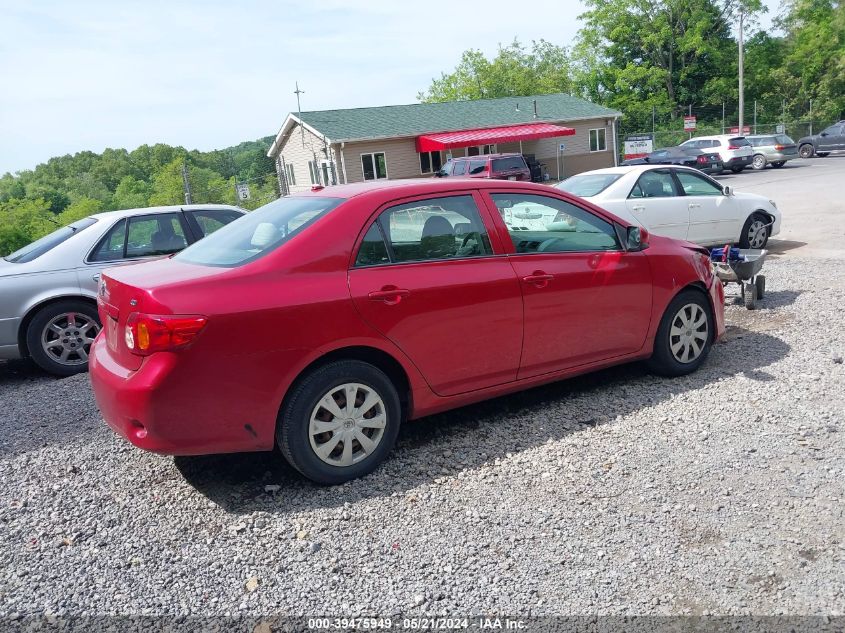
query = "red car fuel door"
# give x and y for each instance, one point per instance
(586, 299)
(425, 275)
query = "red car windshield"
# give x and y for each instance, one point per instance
(259, 232)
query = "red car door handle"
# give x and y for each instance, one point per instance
(538, 278)
(389, 295)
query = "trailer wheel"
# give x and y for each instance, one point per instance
(749, 295)
(760, 284)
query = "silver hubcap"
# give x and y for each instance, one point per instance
(759, 161)
(688, 334)
(757, 234)
(347, 424)
(67, 338)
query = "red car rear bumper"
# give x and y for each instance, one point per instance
(139, 405)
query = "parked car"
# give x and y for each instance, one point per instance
(708, 162)
(679, 202)
(497, 166)
(735, 151)
(321, 321)
(49, 287)
(772, 149)
(829, 140)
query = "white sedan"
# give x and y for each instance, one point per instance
(679, 202)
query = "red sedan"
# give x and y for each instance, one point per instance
(320, 322)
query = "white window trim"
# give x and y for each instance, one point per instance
(291, 174)
(430, 162)
(596, 129)
(312, 173)
(375, 170)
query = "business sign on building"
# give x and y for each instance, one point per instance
(638, 145)
(689, 124)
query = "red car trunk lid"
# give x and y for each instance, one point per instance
(116, 301)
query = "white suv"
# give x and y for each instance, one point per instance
(736, 151)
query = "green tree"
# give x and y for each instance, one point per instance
(514, 71)
(22, 221)
(81, 208)
(131, 193)
(814, 63)
(635, 55)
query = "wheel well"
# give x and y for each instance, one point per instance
(27, 319)
(384, 361)
(764, 213)
(700, 287)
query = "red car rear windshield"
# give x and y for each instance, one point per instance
(259, 232)
(508, 164)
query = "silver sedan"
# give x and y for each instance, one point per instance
(48, 289)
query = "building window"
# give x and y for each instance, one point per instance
(430, 162)
(598, 140)
(374, 166)
(312, 172)
(289, 172)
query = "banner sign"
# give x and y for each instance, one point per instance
(689, 124)
(638, 145)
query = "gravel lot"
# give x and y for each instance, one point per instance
(615, 493)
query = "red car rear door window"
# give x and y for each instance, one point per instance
(437, 290)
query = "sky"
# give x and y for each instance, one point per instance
(207, 74)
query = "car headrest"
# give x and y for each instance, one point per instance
(436, 226)
(265, 234)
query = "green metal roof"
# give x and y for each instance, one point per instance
(422, 118)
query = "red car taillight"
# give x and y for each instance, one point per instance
(780, 147)
(146, 334)
(734, 147)
(701, 159)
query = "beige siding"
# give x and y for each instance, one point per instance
(294, 153)
(577, 156)
(400, 156)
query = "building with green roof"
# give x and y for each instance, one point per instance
(564, 133)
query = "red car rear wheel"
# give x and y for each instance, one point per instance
(339, 422)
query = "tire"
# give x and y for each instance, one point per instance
(806, 151)
(760, 285)
(753, 225)
(822, 154)
(737, 170)
(60, 334)
(778, 164)
(749, 295)
(663, 360)
(302, 411)
(758, 162)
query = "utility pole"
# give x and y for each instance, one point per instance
(741, 72)
(186, 183)
(653, 115)
(723, 117)
(811, 117)
(755, 116)
(298, 92)
(783, 115)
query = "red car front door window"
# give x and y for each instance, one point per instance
(441, 291)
